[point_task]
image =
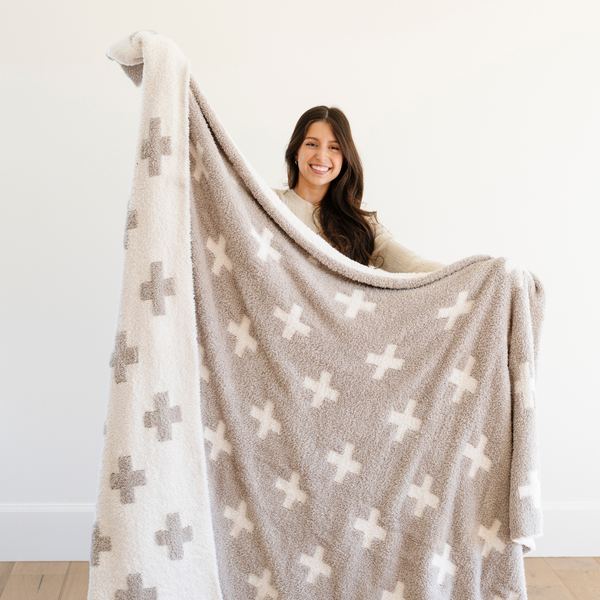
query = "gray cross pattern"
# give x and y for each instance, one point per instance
(163, 416)
(122, 356)
(136, 590)
(155, 147)
(126, 480)
(132, 223)
(157, 289)
(174, 536)
(99, 544)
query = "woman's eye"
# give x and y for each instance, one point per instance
(313, 144)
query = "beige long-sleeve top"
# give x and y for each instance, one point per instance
(396, 258)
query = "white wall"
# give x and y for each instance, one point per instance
(478, 124)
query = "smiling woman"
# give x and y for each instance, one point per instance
(325, 189)
(319, 160)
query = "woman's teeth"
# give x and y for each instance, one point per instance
(319, 169)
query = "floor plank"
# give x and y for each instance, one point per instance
(40, 568)
(543, 583)
(27, 587)
(581, 575)
(77, 581)
(5, 571)
(42, 580)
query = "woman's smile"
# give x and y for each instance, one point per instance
(319, 169)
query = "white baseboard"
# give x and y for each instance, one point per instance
(45, 532)
(570, 529)
(63, 532)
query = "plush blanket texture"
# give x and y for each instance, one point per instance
(285, 423)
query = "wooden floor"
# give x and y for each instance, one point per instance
(547, 578)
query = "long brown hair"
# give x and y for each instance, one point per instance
(343, 221)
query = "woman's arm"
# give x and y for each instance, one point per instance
(397, 258)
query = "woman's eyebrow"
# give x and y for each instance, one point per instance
(330, 141)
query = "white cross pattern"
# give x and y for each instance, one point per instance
(217, 439)
(204, 372)
(267, 422)
(240, 521)
(263, 585)
(405, 421)
(526, 385)
(321, 389)
(316, 564)
(511, 266)
(385, 361)
(480, 460)
(423, 496)
(293, 493)
(265, 249)
(444, 563)
(370, 528)
(511, 596)
(464, 381)
(344, 462)
(355, 303)
(462, 307)
(242, 333)
(533, 490)
(198, 154)
(397, 594)
(221, 259)
(491, 539)
(292, 322)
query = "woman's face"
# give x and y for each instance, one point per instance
(319, 156)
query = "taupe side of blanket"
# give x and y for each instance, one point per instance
(315, 491)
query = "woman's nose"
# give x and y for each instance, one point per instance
(322, 154)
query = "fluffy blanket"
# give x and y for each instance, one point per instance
(285, 423)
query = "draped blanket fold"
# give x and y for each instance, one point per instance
(285, 423)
